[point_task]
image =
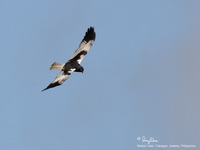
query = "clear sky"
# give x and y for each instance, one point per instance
(141, 77)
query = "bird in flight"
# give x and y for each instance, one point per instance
(73, 64)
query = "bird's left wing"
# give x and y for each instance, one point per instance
(85, 45)
(62, 76)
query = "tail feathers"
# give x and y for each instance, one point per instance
(56, 66)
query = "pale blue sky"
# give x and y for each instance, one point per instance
(141, 76)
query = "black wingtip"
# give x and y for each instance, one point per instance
(44, 89)
(51, 86)
(89, 35)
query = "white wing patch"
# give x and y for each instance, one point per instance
(81, 58)
(62, 77)
(83, 47)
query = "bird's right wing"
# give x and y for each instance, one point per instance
(62, 76)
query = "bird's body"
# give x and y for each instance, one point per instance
(73, 64)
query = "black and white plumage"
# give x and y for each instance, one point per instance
(73, 64)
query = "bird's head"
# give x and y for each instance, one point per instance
(80, 69)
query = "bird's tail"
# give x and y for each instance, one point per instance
(56, 66)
